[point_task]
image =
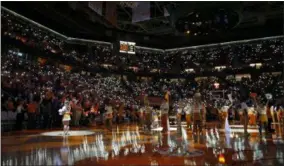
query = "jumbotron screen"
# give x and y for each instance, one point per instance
(127, 47)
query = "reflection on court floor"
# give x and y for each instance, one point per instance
(129, 145)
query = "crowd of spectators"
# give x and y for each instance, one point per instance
(94, 54)
(40, 87)
(234, 55)
(28, 81)
(32, 85)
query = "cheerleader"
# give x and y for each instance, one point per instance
(164, 117)
(148, 114)
(278, 113)
(269, 110)
(155, 117)
(262, 117)
(281, 115)
(148, 118)
(141, 116)
(197, 113)
(178, 116)
(245, 118)
(225, 113)
(108, 116)
(188, 117)
(66, 112)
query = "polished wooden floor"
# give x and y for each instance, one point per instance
(129, 145)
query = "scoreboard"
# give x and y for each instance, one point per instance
(127, 47)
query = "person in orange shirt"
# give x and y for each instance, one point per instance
(94, 112)
(32, 110)
(96, 109)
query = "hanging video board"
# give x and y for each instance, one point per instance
(127, 47)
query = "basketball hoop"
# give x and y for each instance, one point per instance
(268, 96)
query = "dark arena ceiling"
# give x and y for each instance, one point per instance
(186, 23)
